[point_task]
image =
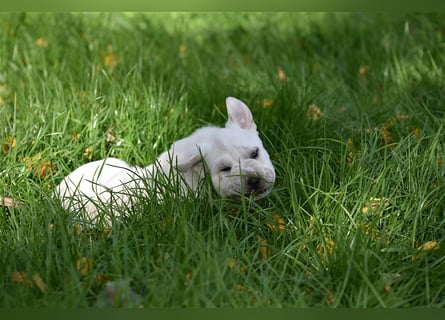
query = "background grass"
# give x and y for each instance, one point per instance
(350, 107)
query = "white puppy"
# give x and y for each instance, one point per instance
(234, 157)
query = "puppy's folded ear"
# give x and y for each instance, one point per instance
(239, 115)
(186, 164)
(187, 154)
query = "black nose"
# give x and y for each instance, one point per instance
(253, 182)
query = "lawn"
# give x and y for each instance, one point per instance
(350, 107)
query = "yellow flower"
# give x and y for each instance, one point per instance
(387, 137)
(39, 282)
(8, 143)
(188, 278)
(371, 231)
(233, 264)
(326, 248)
(313, 112)
(88, 153)
(415, 132)
(427, 246)
(39, 166)
(102, 278)
(375, 203)
(386, 130)
(281, 74)
(46, 168)
(110, 59)
(84, 265)
(42, 42)
(266, 103)
(182, 50)
(22, 277)
(363, 70)
(352, 153)
(329, 297)
(278, 223)
(265, 251)
(75, 137)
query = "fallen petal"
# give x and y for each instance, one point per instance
(10, 202)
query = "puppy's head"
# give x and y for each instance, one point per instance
(240, 165)
(237, 161)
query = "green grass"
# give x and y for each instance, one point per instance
(130, 84)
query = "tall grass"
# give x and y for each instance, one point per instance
(349, 106)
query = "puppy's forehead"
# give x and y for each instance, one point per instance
(238, 138)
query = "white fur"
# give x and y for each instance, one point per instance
(234, 155)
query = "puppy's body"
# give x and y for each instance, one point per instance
(234, 155)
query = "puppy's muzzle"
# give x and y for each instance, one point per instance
(256, 185)
(253, 183)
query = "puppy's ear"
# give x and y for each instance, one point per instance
(187, 154)
(189, 163)
(239, 115)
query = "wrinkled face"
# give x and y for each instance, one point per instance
(239, 165)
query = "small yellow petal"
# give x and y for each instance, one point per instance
(188, 278)
(232, 263)
(102, 278)
(264, 248)
(8, 143)
(42, 42)
(313, 112)
(326, 248)
(88, 153)
(110, 60)
(182, 49)
(278, 223)
(84, 265)
(38, 165)
(39, 282)
(330, 299)
(46, 168)
(266, 103)
(374, 203)
(75, 137)
(281, 74)
(363, 70)
(427, 246)
(19, 277)
(9, 202)
(415, 132)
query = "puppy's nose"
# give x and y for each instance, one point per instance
(253, 182)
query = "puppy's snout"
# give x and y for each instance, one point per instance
(253, 182)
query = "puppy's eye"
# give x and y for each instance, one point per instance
(226, 169)
(254, 154)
